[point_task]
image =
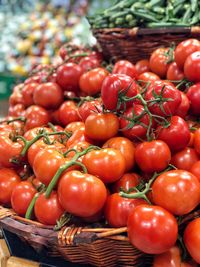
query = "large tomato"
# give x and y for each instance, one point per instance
(142, 66)
(88, 63)
(125, 67)
(192, 67)
(184, 106)
(152, 229)
(193, 95)
(126, 182)
(195, 169)
(174, 73)
(89, 107)
(68, 112)
(27, 93)
(81, 194)
(170, 258)
(177, 191)
(197, 141)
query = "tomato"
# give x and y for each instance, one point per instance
(174, 73)
(148, 76)
(163, 90)
(115, 85)
(27, 93)
(34, 79)
(159, 62)
(176, 135)
(68, 76)
(192, 239)
(184, 106)
(192, 67)
(75, 125)
(126, 182)
(170, 258)
(81, 194)
(177, 191)
(78, 146)
(48, 210)
(117, 209)
(16, 97)
(193, 95)
(36, 116)
(197, 140)
(126, 147)
(133, 123)
(195, 169)
(153, 156)
(89, 107)
(91, 81)
(125, 67)
(32, 133)
(9, 179)
(184, 49)
(107, 163)
(101, 126)
(142, 66)
(78, 135)
(21, 197)
(48, 95)
(16, 110)
(152, 229)
(185, 158)
(68, 112)
(88, 63)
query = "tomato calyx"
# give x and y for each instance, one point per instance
(64, 220)
(22, 119)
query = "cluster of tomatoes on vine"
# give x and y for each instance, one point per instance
(111, 156)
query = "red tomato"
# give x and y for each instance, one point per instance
(152, 229)
(117, 209)
(142, 66)
(48, 210)
(184, 106)
(107, 163)
(48, 95)
(78, 135)
(170, 258)
(153, 156)
(126, 182)
(21, 197)
(16, 110)
(192, 67)
(125, 67)
(177, 191)
(89, 107)
(9, 179)
(195, 169)
(197, 140)
(101, 126)
(148, 76)
(75, 125)
(192, 239)
(185, 158)
(81, 194)
(126, 147)
(68, 112)
(176, 135)
(88, 63)
(68, 76)
(193, 95)
(34, 79)
(27, 93)
(32, 133)
(184, 49)
(174, 73)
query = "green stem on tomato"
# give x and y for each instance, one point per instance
(31, 206)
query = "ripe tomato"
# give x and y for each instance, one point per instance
(78, 135)
(81, 194)
(107, 163)
(153, 156)
(177, 191)
(126, 147)
(88, 63)
(48, 210)
(68, 112)
(184, 106)
(192, 67)
(185, 158)
(27, 93)
(32, 133)
(197, 140)
(16, 97)
(193, 95)
(48, 95)
(127, 181)
(152, 229)
(16, 110)
(125, 67)
(195, 169)
(174, 73)
(148, 76)
(91, 81)
(101, 126)
(68, 76)
(170, 258)
(176, 135)
(89, 107)
(9, 179)
(184, 49)
(192, 239)
(75, 125)
(21, 197)
(142, 66)
(117, 209)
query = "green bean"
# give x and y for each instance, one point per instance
(194, 5)
(132, 23)
(153, 3)
(187, 15)
(144, 16)
(165, 24)
(119, 21)
(119, 14)
(177, 9)
(129, 17)
(159, 10)
(179, 2)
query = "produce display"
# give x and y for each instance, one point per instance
(114, 144)
(145, 13)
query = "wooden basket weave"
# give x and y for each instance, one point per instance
(132, 44)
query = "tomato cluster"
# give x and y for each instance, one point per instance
(120, 146)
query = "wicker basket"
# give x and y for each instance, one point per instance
(132, 44)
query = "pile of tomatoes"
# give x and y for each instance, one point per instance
(117, 144)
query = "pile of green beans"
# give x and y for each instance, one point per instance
(148, 13)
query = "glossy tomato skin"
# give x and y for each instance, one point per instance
(192, 67)
(174, 73)
(185, 158)
(117, 209)
(90, 82)
(48, 95)
(177, 191)
(159, 62)
(107, 163)
(68, 112)
(81, 194)
(170, 258)
(192, 239)
(125, 67)
(195, 169)
(89, 107)
(9, 179)
(27, 93)
(21, 197)
(101, 126)
(148, 76)
(152, 229)
(197, 141)
(48, 210)
(184, 106)
(176, 135)
(193, 95)
(126, 182)
(153, 156)
(16, 110)
(126, 147)
(142, 66)
(88, 63)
